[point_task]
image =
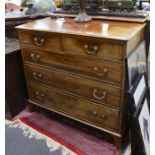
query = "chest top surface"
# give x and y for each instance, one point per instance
(95, 28)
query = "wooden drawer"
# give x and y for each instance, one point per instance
(88, 89)
(94, 47)
(39, 39)
(97, 115)
(103, 70)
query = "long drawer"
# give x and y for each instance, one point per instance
(39, 39)
(94, 47)
(106, 70)
(88, 89)
(100, 116)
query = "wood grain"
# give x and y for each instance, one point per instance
(78, 69)
(107, 71)
(98, 115)
(89, 89)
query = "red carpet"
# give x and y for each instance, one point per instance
(74, 139)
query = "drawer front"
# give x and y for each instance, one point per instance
(106, 70)
(87, 47)
(101, 116)
(94, 91)
(39, 39)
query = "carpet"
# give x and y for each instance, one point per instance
(74, 140)
(21, 139)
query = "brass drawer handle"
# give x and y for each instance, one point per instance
(105, 71)
(35, 57)
(99, 97)
(98, 116)
(37, 76)
(91, 49)
(40, 96)
(103, 116)
(38, 41)
(94, 113)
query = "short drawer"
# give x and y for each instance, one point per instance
(88, 89)
(107, 71)
(93, 47)
(75, 107)
(39, 39)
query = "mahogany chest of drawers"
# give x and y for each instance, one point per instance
(78, 69)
